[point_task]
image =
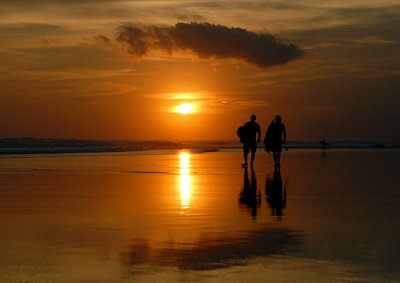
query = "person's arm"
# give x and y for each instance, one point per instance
(284, 134)
(259, 133)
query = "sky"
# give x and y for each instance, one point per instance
(112, 69)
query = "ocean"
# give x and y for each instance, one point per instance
(40, 146)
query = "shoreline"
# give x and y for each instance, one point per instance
(17, 146)
(33, 152)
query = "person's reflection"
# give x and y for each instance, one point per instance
(275, 193)
(250, 197)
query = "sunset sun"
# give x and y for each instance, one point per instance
(186, 108)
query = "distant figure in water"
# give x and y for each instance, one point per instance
(324, 144)
(274, 138)
(250, 135)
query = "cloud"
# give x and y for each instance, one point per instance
(101, 38)
(374, 40)
(209, 41)
(30, 29)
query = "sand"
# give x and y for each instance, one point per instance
(174, 216)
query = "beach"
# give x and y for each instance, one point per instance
(196, 215)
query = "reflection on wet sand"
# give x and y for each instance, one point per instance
(216, 253)
(276, 193)
(152, 217)
(185, 179)
(250, 197)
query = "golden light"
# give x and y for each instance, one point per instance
(185, 108)
(185, 179)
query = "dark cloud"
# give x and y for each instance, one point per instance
(30, 29)
(102, 38)
(209, 41)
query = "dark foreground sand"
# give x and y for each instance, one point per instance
(188, 216)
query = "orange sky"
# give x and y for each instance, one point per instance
(97, 69)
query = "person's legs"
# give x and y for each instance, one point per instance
(253, 149)
(253, 155)
(274, 155)
(245, 154)
(278, 158)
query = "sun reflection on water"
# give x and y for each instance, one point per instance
(185, 179)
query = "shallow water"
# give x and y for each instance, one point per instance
(327, 216)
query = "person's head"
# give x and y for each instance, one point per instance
(253, 118)
(278, 119)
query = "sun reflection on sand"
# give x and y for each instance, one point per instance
(185, 179)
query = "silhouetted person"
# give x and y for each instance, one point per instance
(274, 138)
(276, 194)
(250, 136)
(324, 144)
(250, 196)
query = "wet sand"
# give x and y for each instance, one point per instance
(173, 216)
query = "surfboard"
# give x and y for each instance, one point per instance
(241, 132)
(268, 138)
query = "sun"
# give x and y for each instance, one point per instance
(185, 108)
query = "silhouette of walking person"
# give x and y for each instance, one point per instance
(250, 197)
(274, 138)
(250, 135)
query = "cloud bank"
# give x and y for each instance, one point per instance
(209, 41)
